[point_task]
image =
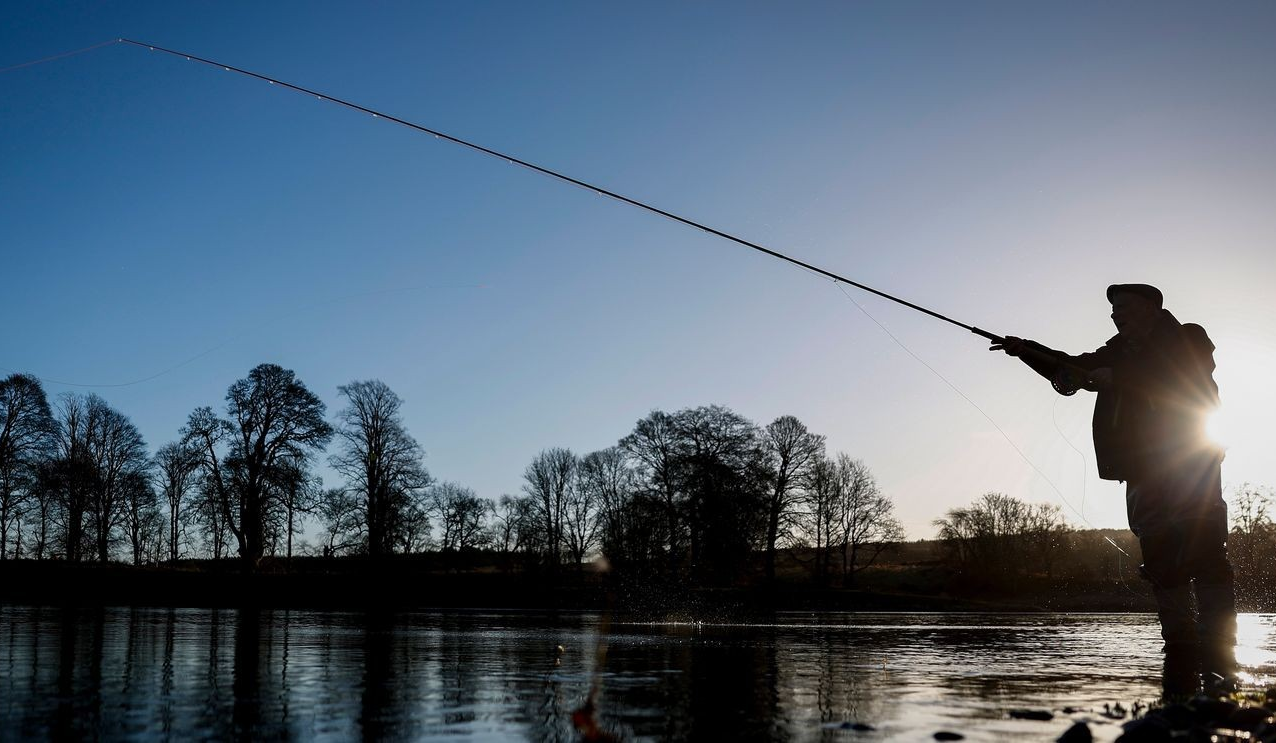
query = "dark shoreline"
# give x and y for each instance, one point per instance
(360, 585)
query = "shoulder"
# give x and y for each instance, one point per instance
(1113, 348)
(1196, 337)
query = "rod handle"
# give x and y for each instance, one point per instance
(984, 333)
(1076, 371)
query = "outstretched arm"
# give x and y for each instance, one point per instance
(1067, 374)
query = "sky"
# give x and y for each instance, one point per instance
(1001, 163)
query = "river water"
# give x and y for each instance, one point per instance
(203, 674)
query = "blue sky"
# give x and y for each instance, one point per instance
(998, 162)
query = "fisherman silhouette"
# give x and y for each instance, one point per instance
(1155, 387)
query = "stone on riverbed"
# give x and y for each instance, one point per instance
(1205, 718)
(1150, 729)
(1249, 719)
(1031, 714)
(1078, 733)
(857, 726)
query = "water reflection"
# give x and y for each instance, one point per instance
(185, 674)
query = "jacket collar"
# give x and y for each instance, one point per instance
(1167, 328)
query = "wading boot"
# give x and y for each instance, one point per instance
(1216, 628)
(1174, 609)
(1180, 675)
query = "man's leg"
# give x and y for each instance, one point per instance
(1215, 593)
(1171, 586)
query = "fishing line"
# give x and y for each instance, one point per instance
(156, 375)
(1006, 436)
(63, 55)
(972, 403)
(1085, 464)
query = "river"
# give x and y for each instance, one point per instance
(204, 674)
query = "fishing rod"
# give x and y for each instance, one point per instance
(994, 338)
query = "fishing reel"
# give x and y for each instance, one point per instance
(1067, 381)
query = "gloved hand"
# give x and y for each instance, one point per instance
(1011, 345)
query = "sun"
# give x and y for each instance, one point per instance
(1219, 427)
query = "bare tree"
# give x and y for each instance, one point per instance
(1252, 543)
(822, 497)
(26, 438)
(999, 538)
(793, 451)
(141, 515)
(846, 516)
(341, 515)
(868, 523)
(117, 454)
(706, 468)
(207, 514)
(725, 478)
(272, 418)
(412, 533)
(580, 520)
(611, 485)
(461, 514)
(206, 434)
(547, 481)
(512, 524)
(177, 466)
(43, 506)
(72, 476)
(659, 448)
(1252, 509)
(296, 493)
(379, 459)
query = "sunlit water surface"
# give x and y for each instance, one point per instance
(192, 674)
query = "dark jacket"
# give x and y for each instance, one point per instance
(1151, 423)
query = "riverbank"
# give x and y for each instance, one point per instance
(350, 583)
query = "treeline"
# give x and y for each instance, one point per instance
(695, 494)
(701, 495)
(1005, 546)
(998, 540)
(692, 493)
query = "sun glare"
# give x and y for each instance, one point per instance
(1243, 423)
(1219, 427)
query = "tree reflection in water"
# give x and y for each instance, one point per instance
(387, 673)
(181, 674)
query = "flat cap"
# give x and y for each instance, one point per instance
(1143, 290)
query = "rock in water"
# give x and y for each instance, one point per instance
(1214, 711)
(1178, 716)
(1031, 714)
(1249, 719)
(1078, 733)
(1145, 730)
(945, 735)
(857, 726)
